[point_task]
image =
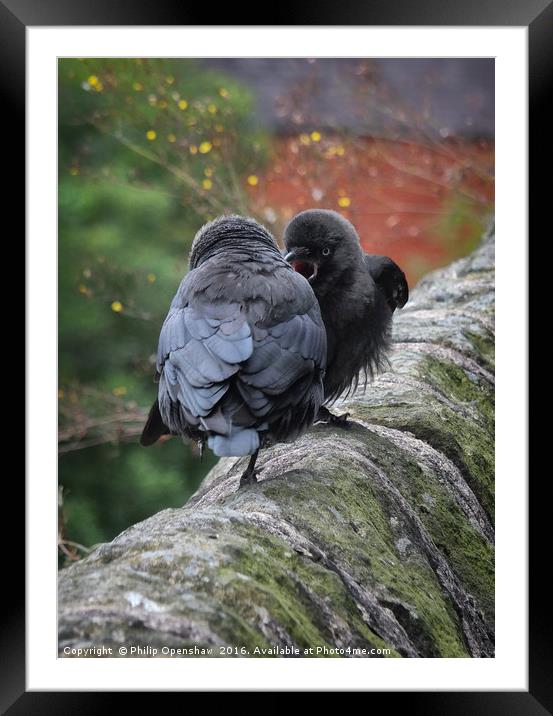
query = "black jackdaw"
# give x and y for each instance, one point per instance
(357, 294)
(242, 352)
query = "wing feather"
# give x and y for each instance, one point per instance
(200, 349)
(389, 279)
(232, 368)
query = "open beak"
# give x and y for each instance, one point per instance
(301, 263)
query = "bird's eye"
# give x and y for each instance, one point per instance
(325, 251)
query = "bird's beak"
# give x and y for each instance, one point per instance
(300, 262)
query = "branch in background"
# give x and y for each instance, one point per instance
(89, 417)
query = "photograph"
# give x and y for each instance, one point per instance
(276, 357)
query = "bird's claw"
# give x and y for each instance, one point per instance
(340, 419)
(248, 478)
(325, 416)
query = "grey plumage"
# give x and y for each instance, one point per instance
(242, 352)
(357, 294)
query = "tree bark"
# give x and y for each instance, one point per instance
(377, 540)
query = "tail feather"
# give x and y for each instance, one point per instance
(154, 428)
(242, 441)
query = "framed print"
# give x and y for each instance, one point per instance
(291, 227)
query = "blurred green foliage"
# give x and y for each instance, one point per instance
(148, 151)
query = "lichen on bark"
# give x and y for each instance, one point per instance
(377, 537)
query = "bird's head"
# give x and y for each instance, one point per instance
(227, 233)
(322, 246)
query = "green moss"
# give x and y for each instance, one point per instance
(364, 541)
(468, 445)
(469, 554)
(454, 383)
(271, 579)
(485, 345)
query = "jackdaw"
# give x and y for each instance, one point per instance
(357, 294)
(242, 352)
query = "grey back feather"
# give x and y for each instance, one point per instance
(242, 352)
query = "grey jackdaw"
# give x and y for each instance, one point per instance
(242, 352)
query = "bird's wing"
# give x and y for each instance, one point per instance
(229, 364)
(201, 346)
(389, 279)
(281, 382)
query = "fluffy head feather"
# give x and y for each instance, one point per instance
(228, 232)
(324, 247)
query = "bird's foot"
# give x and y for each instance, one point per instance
(248, 478)
(325, 416)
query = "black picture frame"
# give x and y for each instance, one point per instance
(537, 15)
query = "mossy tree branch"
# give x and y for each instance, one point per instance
(377, 537)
